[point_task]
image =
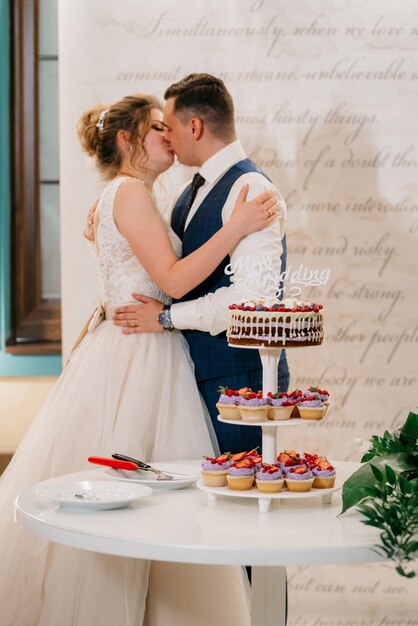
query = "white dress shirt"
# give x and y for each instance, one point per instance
(210, 312)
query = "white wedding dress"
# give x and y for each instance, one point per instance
(133, 394)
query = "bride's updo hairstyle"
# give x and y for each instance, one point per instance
(98, 127)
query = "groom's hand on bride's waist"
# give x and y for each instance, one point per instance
(139, 318)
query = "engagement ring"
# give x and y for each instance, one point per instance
(133, 323)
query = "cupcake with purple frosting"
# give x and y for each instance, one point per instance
(311, 408)
(253, 407)
(228, 403)
(269, 478)
(214, 470)
(280, 406)
(299, 479)
(240, 475)
(324, 475)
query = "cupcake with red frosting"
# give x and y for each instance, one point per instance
(240, 476)
(215, 470)
(299, 479)
(311, 408)
(228, 403)
(269, 478)
(253, 407)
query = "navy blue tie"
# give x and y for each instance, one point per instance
(197, 182)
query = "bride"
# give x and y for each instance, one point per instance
(129, 393)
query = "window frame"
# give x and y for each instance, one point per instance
(35, 323)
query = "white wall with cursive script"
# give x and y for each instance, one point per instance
(326, 101)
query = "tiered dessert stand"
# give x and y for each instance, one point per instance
(270, 360)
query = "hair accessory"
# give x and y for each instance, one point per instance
(100, 121)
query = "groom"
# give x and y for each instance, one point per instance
(199, 121)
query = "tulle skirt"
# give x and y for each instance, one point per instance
(134, 394)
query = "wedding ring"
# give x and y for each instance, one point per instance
(133, 323)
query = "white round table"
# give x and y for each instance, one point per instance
(182, 526)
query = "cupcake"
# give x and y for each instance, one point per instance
(291, 464)
(324, 475)
(322, 394)
(253, 407)
(311, 459)
(299, 479)
(287, 456)
(295, 396)
(311, 408)
(214, 470)
(257, 460)
(269, 479)
(240, 475)
(280, 406)
(227, 404)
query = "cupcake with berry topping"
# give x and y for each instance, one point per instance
(280, 406)
(241, 475)
(269, 478)
(228, 403)
(256, 458)
(311, 408)
(253, 407)
(310, 459)
(214, 470)
(322, 394)
(291, 457)
(295, 396)
(291, 464)
(299, 479)
(324, 475)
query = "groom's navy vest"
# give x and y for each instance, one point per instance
(211, 354)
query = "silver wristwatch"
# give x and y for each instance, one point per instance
(164, 318)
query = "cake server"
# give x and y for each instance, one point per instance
(143, 466)
(110, 462)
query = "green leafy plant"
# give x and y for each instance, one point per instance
(385, 491)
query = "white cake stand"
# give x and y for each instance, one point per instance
(270, 358)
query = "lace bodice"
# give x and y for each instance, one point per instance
(120, 272)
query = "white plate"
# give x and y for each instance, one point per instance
(181, 476)
(97, 495)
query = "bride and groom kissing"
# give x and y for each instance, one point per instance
(135, 391)
(199, 126)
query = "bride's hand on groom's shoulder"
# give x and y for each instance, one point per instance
(139, 318)
(88, 231)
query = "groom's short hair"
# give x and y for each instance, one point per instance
(204, 96)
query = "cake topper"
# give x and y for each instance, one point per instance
(259, 280)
